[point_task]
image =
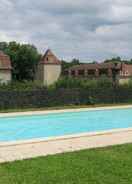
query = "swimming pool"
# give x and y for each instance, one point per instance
(60, 124)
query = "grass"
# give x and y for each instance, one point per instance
(97, 166)
(61, 107)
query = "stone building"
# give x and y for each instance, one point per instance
(49, 69)
(5, 68)
(124, 71)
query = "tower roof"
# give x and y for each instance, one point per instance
(5, 62)
(50, 58)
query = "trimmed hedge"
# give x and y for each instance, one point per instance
(59, 97)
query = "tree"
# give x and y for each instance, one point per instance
(94, 62)
(24, 59)
(113, 60)
(3, 46)
(75, 61)
(66, 65)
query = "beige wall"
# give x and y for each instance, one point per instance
(51, 74)
(5, 76)
(48, 74)
(40, 73)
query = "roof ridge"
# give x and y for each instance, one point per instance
(49, 58)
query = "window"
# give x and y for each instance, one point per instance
(80, 72)
(66, 72)
(103, 71)
(91, 72)
(126, 73)
(72, 72)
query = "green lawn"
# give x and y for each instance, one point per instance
(112, 165)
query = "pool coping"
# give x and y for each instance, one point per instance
(44, 112)
(57, 146)
(65, 137)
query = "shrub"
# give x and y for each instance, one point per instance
(22, 86)
(66, 91)
(67, 82)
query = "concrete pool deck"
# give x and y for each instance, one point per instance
(18, 150)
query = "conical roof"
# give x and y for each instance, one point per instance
(5, 62)
(50, 58)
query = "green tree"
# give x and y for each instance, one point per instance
(75, 61)
(3, 46)
(66, 65)
(24, 59)
(113, 60)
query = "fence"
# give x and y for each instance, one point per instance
(60, 97)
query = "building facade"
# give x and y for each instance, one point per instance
(5, 68)
(49, 69)
(124, 71)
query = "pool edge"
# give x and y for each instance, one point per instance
(65, 137)
(44, 112)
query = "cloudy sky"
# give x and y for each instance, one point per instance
(85, 29)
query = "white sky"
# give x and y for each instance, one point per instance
(84, 29)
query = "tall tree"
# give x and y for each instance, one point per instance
(113, 60)
(3, 46)
(75, 61)
(24, 59)
(66, 65)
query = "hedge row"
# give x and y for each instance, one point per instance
(59, 97)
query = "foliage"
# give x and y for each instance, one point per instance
(113, 60)
(63, 82)
(66, 65)
(66, 82)
(3, 46)
(31, 95)
(118, 60)
(24, 59)
(22, 86)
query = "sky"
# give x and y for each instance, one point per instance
(90, 30)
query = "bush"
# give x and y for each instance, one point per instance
(66, 91)
(67, 82)
(21, 86)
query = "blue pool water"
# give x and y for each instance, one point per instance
(41, 126)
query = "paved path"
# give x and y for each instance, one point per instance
(59, 145)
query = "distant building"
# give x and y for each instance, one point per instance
(5, 68)
(49, 69)
(91, 71)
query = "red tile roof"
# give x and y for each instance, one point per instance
(5, 62)
(96, 66)
(50, 58)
